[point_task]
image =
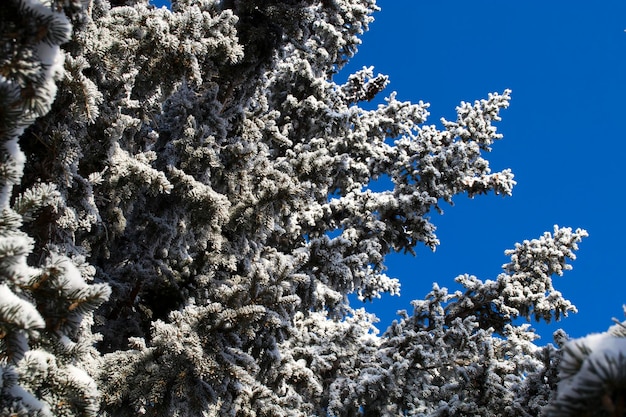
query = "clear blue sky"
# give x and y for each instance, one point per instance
(563, 137)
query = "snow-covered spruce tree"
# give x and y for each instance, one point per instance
(592, 374)
(462, 354)
(46, 346)
(203, 163)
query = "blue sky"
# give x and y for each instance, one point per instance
(563, 136)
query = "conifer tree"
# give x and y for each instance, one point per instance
(46, 300)
(186, 205)
(592, 372)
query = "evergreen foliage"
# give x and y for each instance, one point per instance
(186, 204)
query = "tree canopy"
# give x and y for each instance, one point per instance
(186, 204)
